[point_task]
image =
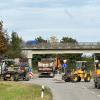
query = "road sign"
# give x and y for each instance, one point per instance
(65, 61)
(65, 65)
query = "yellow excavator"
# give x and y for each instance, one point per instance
(97, 75)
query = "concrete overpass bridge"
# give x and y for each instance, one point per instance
(61, 48)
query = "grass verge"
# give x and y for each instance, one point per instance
(20, 91)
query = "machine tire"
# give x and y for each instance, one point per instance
(79, 79)
(67, 79)
(12, 78)
(74, 78)
(95, 84)
(4, 79)
(27, 77)
(98, 86)
(87, 79)
(16, 77)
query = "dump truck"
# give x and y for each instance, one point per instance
(97, 75)
(46, 67)
(10, 71)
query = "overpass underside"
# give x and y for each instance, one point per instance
(44, 51)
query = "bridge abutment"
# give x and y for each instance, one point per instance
(30, 61)
(28, 54)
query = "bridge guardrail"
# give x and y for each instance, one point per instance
(79, 45)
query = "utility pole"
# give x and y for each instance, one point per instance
(94, 61)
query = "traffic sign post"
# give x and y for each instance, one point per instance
(64, 67)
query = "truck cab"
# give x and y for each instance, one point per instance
(46, 67)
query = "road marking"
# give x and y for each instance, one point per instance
(95, 93)
(98, 95)
(84, 87)
(92, 92)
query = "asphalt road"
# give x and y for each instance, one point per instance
(69, 91)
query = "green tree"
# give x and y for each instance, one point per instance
(97, 56)
(68, 40)
(15, 46)
(40, 39)
(3, 40)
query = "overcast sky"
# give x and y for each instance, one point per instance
(79, 19)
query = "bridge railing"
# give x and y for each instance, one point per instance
(79, 45)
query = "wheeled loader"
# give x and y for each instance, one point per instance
(97, 75)
(78, 74)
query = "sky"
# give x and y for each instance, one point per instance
(78, 19)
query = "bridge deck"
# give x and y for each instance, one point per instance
(64, 46)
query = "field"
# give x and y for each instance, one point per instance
(19, 91)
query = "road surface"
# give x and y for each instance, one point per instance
(69, 91)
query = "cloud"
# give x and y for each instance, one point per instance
(48, 3)
(53, 18)
(79, 19)
(33, 1)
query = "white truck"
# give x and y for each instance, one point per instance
(46, 67)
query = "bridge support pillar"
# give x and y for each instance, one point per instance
(30, 61)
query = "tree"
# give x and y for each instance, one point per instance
(15, 46)
(68, 40)
(40, 39)
(3, 40)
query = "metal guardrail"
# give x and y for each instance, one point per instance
(79, 45)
